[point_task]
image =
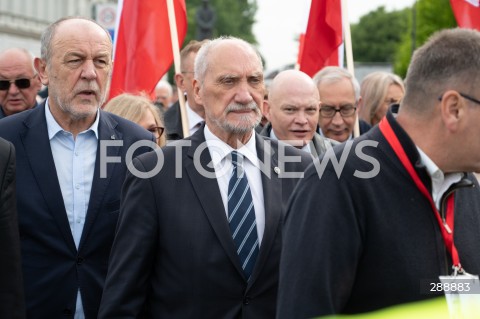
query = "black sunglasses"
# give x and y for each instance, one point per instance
(19, 83)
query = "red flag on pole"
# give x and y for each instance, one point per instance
(323, 37)
(143, 47)
(467, 13)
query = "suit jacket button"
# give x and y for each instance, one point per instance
(79, 260)
(246, 300)
(67, 312)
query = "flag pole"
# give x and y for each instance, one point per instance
(349, 55)
(176, 60)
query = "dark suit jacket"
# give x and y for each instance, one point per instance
(174, 256)
(173, 122)
(11, 287)
(318, 144)
(53, 269)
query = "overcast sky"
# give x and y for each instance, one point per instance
(280, 21)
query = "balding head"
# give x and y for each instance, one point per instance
(17, 64)
(292, 106)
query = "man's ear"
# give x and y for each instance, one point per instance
(196, 92)
(452, 109)
(41, 67)
(266, 109)
(359, 102)
(179, 79)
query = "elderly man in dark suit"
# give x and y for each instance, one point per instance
(71, 162)
(201, 236)
(11, 287)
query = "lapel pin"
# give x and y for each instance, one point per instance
(277, 170)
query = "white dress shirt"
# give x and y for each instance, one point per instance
(440, 182)
(193, 119)
(75, 164)
(223, 170)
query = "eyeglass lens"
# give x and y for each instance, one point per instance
(19, 83)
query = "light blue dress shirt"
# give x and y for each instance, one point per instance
(75, 164)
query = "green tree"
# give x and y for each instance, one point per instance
(430, 16)
(377, 35)
(233, 17)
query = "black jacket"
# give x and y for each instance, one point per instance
(368, 243)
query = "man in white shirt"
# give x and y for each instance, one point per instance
(184, 80)
(201, 236)
(68, 178)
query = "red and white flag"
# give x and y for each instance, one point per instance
(322, 44)
(143, 48)
(467, 13)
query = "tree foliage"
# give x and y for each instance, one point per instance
(233, 17)
(377, 35)
(430, 16)
(382, 36)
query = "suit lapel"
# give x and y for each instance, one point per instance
(39, 154)
(211, 201)
(106, 131)
(272, 188)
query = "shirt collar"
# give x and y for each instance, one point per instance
(440, 182)
(193, 117)
(53, 127)
(219, 149)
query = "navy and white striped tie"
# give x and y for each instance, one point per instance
(241, 216)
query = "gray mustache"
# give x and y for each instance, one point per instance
(242, 107)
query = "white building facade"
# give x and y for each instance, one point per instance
(23, 21)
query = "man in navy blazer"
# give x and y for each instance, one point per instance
(11, 287)
(71, 163)
(174, 254)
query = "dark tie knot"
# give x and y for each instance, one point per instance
(237, 159)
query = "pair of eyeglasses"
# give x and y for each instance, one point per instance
(19, 83)
(465, 96)
(329, 111)
(157, 130)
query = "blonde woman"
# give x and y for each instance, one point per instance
(378, 91)
(138, 109)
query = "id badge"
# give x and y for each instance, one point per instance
(462, 291)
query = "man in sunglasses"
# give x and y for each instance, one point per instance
(19, 82)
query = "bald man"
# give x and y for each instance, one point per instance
(292, 111)
(19, 82)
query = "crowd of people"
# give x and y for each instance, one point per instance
(315, 196)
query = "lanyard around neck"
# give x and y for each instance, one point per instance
(446, 224)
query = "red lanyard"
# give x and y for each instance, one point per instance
(446, 226)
